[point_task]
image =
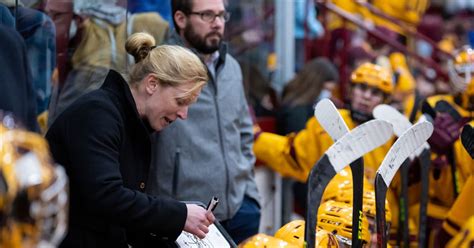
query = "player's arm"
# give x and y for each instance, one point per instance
(292, 155)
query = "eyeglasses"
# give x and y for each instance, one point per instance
(209, 16)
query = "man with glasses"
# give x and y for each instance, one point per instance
(211, 153)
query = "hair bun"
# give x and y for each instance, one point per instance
(139, 45)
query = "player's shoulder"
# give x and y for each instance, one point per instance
(432, 100)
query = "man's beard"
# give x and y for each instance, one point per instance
(199, 43)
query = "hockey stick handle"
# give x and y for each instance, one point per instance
(318, 179)
(425, 163)
(357, 168)
(403, 215)
(380, 195)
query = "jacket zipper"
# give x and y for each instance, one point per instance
(221, 142)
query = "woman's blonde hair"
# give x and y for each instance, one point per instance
(172, 65)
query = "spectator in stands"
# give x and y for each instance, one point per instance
(6, 17)
(306, 26)
(17, 94)
(38, 31)
(162, 7)
(99, 45)
(315, 81)
(260, 95)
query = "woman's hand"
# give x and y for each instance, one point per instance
(198, 220)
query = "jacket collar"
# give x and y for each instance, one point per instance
(175, 39)
(116, 84)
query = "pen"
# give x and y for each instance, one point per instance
(212, 204)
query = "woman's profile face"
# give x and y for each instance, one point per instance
(167, 104)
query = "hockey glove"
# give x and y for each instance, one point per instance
(446, 132)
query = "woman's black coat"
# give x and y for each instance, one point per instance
(105, 148)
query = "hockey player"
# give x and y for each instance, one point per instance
(467, 138)
(458, 215)
(294, 155)
(336, 217)
(293, 233)
(334, 230)
(404, 95)
(262, 241)
(465, 238)
(462, 208)
(33, 192)
(451, 165)
(340, 190)
(407, 12)
(290, 235)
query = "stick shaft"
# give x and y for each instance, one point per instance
(403, 215)
(380, 194)
(318, 179)
(357, 168)
(425, 162)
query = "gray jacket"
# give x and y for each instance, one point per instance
(210, 153)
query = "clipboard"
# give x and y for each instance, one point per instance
(217, 237)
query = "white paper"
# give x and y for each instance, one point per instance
(213, 239)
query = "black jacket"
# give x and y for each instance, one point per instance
(105, 148)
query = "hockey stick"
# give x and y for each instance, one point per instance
(405, 145)
(331, 120)
(348, 148)
(467, 139)
(424, 157)
(444, 107)
(401, 124)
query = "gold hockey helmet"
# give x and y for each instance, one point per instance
(33, 192)
(293, 233)
(336, 217)
(263, 241)
(340, 189)
(375, 76)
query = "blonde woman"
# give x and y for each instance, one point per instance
(103, 141)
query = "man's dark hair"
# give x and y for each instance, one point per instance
(184, 6)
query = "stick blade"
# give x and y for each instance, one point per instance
(425, 145)
(359, 141)
(393, 116)
(399, 121)
(330, 119)
(405, 145)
